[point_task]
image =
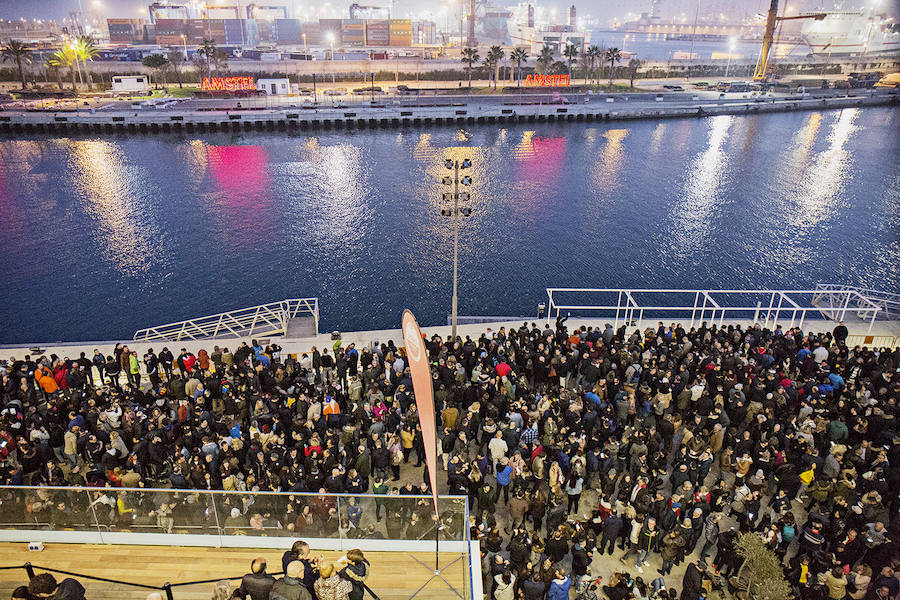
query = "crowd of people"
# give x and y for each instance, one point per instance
(687, 438)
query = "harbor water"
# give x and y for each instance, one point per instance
(103, 235)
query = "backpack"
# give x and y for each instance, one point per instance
(788, 532)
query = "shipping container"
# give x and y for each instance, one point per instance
(401, 41)
(378, 33)
(169, 40)
(266, 31)
(288, 31)
(170, 27)
(234, 31)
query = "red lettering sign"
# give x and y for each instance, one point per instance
(230, 84)
(547, 80)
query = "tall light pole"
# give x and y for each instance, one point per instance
(455, 196)
(732, 44)
(331, 41)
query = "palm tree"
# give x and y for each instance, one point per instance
(17, 52)
(633, 65)
(470, 57)
(518, 56)
(208, 50)
(593, 53)
(66, 58)
(613, 56)
(496, 55)
(571, 54)
(51, 67)
(488, 64)
(86, 50)
(545, 59)
(220, 62)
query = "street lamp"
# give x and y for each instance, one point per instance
(455, 196)
(331, 41)
(732, 44)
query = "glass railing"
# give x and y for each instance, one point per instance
(232, 513)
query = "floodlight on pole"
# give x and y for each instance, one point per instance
(455, 197)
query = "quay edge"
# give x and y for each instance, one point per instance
(359, 117)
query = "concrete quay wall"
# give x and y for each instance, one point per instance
(173, 120)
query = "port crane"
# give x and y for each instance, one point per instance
(762, 65)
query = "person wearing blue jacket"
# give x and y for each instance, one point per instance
(559, 587)
(504, 475)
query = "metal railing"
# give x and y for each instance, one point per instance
(827, 293)
(264, 319)
(166, 588)
(105, 512)
(772, 307)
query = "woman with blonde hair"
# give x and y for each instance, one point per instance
(330, 585)
(222, 591)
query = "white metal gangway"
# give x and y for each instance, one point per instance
(271, 319)
(827, 294)
(767, 307)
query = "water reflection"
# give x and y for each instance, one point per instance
(608, 170)
(109, 186)
(657, 137)
(540, 159)
(818, 194)
(341, 184)
(702, 191)
(241, 179)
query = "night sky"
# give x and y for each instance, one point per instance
(605, 9)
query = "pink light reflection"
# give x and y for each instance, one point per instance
(242, 180)
(540, 157)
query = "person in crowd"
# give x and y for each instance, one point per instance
(44, 585)
(331, 586)
(257, 584)
(221, 591)
(356, 572)
(290, 587)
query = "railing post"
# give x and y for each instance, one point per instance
(756, 313)
(30, 570)
(618, 304)
(168, 589)
(340, 533)
(694, 311)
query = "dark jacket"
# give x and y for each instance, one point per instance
(648, 540)
(534, 590)
(255, 586)
(356, 574)
(692, 583)
(612, 527)
(580, 560)
(69, 589)
(288, 588)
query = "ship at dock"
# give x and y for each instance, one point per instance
(852, 33)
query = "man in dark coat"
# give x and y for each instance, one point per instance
(256, 584)
(692, 584)
(611, 529)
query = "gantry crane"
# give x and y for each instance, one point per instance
(762, 65)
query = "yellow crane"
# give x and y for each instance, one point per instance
(762, 65)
